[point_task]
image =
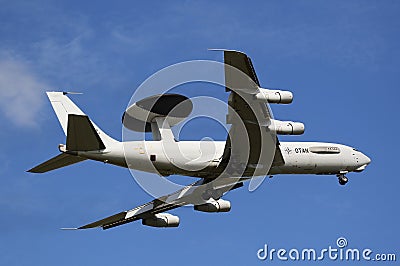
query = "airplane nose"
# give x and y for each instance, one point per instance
(362, 162)
(366, 159)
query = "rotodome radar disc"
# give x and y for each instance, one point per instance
(174, 107)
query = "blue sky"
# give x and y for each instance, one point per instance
(339, 58)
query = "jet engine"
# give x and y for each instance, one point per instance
(162, 220)
(287, 127)
(214, 206)
(274, 96)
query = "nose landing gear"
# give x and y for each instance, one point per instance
(342, 179)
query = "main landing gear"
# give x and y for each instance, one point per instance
(342, 179)
(212, 193)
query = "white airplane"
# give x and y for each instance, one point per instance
(220, 167)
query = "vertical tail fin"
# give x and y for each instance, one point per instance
(82, 134)
(76, 125)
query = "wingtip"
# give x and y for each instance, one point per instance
(31, 171)
(216, 49)
(69, 228)
(223, 50)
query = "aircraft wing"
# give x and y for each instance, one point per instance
(140, 212)
(239, 61)
(249, 118)
(191, 194)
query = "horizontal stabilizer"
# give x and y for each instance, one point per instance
(59, 161)
(81, 134)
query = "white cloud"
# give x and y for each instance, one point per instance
(21, 92)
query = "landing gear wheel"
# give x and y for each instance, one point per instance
(343, 180)
(212, 193)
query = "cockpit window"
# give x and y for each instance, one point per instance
(354, 149)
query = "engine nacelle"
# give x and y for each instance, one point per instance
(287, 127)
(274, 96)
(214, 206)
(162, 220)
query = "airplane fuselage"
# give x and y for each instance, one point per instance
(204, 157)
